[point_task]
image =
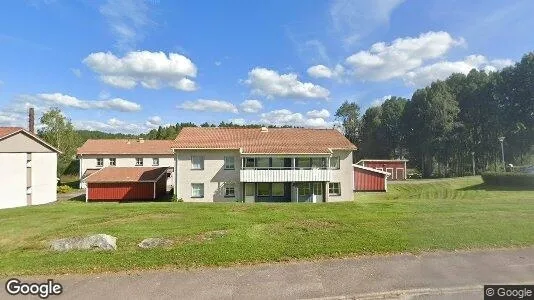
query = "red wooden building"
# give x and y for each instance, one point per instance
(369, 179)
(395, 167)
(131, 183)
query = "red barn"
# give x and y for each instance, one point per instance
(395, 167)
(369, 180)
(130, 183)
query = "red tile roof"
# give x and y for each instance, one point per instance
(127, 174)
(273, 141)
(5, 131)
(131, 146)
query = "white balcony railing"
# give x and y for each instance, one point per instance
(284, 175)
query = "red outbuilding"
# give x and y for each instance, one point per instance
(131, 183)
(369, 179)
(395, 167)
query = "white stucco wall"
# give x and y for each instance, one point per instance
(13, 180)
(213, 176)
(343, 176)
(44, 178)
(89, 162)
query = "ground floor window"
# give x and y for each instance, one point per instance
(334, 188)
(278, 189)
(264, 189)
(229, 190)
(305, 189)
(197, 190)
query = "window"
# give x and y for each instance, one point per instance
(304, 189)
(334, 162)
(334, 188)
(303, 162)
(138, 161)
(278, 189)
(264, 189)
(155, 161)
(318, 163)
(277, 162)
(112, 161)
(197, 162)
(197, 190)
(262, 162)
(249, 162)
(99, 162)
(229, 163)
(229, 190)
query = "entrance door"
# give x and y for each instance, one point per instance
(318, 195)
(249, 192)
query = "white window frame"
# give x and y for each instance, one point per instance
(137, 160)
(155, 161)
(229, 190)
(112, 161)
(99, 159)
(229, 165)
(199, 187)
(332, 189)
(200, 162)
(335, 159)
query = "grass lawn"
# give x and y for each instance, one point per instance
(435, 214)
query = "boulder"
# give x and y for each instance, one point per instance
(154, 242)
(92, 242)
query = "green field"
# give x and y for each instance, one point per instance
(412, 217)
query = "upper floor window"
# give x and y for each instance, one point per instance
(303, 162)
(249, 162)
(138, 161)
(262, 162)
(318, 163)
(113, 161)
(197, 162)
(99, 162)
(334, 162)
(229, 162)
(155, 161)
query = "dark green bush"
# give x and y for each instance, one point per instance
(509, 179)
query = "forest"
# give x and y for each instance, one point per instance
(442, 130)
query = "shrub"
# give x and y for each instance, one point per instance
(63, 189)
(509, 179)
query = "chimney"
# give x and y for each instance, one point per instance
(31, 120)
(264, 129)
(141, 140)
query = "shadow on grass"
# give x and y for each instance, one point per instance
(80, 198)
(486, 187)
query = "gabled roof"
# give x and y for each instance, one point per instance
(126, 146)
(261, 141)
(127, 174)
(371, 169)
(6, 132)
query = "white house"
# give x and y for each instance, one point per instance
(94, 155)
(263, 165)
(29, 169)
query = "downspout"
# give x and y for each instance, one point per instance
(175, 172)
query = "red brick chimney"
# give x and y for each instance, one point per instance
(31, 120)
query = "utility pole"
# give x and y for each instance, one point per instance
(501, 139)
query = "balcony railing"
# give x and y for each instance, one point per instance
(284, 174)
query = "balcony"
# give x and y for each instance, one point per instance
(284, 174)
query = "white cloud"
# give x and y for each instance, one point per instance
(150, 69)
(238, 121)
(251, 106)
(76, 72)
(153, 122)
(113, 125)
(209, 105)
(117, 104)
(271, 84)
(355, 19)
(322, 71)
(286, 117)
(127, 20)
(323, 113)
(103, 95)
(218, 63)
(383, 61)
(441, 70)
(379, 101)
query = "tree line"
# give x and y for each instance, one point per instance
(447, 125)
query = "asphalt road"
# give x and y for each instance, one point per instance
(436, 275)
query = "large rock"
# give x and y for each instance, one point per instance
(154, 242)
(96, 242)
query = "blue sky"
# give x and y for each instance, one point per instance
(129, 66)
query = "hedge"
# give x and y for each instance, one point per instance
(509, 179)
